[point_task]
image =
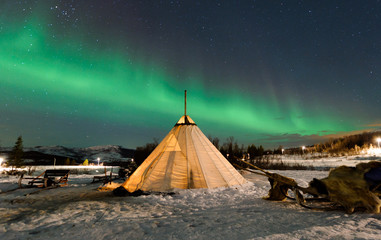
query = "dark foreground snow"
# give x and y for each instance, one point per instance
(80, 212)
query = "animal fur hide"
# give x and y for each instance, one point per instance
(347, 187)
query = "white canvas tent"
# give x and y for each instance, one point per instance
(185, 158)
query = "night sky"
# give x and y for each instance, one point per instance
(86, 73)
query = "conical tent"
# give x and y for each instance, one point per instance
(185, 158)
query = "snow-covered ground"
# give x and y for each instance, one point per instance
(78, 211)
(317, 161)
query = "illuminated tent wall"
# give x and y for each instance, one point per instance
(184, 159)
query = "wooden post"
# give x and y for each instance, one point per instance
(185, 107)
(111, 174)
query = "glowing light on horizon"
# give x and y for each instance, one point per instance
(372, 151)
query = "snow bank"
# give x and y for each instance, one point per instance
(326, 162)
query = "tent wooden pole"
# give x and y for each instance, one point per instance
(185, 107)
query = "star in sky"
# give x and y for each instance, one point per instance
(80, 73)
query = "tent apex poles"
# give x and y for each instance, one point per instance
(185, 106)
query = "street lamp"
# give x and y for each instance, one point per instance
(98, 161)
(303, 148)
(282, 151)
(378, 141)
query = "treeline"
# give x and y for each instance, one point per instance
(141, 153)
(351, 144)
(231, 149)
(16, 155)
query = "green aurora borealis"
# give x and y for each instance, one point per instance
(71, 83)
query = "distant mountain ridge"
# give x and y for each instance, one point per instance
(47, 154)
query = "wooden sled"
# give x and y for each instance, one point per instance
(105, 178)
(345, 188)
(51, 177)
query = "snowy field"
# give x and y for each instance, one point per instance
(78, 211)
(318, 162)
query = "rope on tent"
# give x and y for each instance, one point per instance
(249, 170)
(274, 176)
